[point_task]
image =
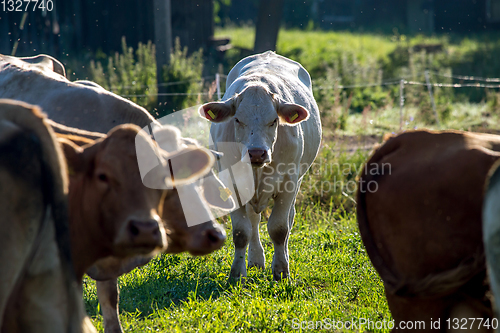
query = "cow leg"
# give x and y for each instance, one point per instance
(107, 293)
(242, 230)
(255, 250)
(279, 228)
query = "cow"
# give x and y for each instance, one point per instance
(269, 110)
(40, 81)
(38, 286)
(84, 109)
(419, 202)
(200, 239)
(491, 231)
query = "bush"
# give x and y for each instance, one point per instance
(133, 77)
(183, 76)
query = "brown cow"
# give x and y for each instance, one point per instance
(199, 239)
(419, 214)
(38, 287)
(111, 212)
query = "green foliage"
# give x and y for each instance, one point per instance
(133, 77)
(217, 7)
(184, 72)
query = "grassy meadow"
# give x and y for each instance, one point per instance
(331, 275)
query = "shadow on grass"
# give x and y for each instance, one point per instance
(171, 281)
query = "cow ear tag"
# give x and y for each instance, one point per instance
(211, 114)
(294, 117)
(225, 193)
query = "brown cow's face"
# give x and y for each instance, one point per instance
(124, 200)
(119, 209)
(199, 239)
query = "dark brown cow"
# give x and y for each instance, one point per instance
(38, 287)
(419, 214)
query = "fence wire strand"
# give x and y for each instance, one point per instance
(352, 86)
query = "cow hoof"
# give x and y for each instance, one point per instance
(237, 279)
(278, 276)
(256, 264)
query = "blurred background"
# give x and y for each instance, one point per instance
(376, 65)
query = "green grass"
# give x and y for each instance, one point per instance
(331, 276)
(462, 116)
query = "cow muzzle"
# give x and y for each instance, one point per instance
(259, 157)
(208, 237)
(141, 237)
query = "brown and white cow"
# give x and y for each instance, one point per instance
(38, 287)
(419, 213)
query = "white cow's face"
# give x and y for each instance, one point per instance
(256, 126)
(256, 115)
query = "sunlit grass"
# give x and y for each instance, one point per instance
(331, 277)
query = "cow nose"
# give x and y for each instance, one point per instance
(215, 238)
(145, 232)
(258, 156)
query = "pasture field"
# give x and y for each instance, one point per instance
(331, 275)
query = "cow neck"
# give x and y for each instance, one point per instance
(86, 240)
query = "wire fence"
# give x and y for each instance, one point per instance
(402, 82)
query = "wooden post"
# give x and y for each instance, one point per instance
(429, 87)
(401, 103)
(217, 83)
(163, 43)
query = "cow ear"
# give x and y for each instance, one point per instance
(217, 111)
(189, 164)
(73, 155)
(292, 114)
(216, 193)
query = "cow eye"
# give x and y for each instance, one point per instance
(237, 120)
(102, 177)
(274, 122)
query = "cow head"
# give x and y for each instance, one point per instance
(187, 209)
(201, 238)
(256, 114)
(109, 206)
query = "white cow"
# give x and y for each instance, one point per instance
(491, 231)
(82, 104)
(270, 110)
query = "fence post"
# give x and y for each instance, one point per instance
(217, 83)
(429, 87)
(401, 102)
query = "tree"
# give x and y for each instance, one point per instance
(268, 25)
